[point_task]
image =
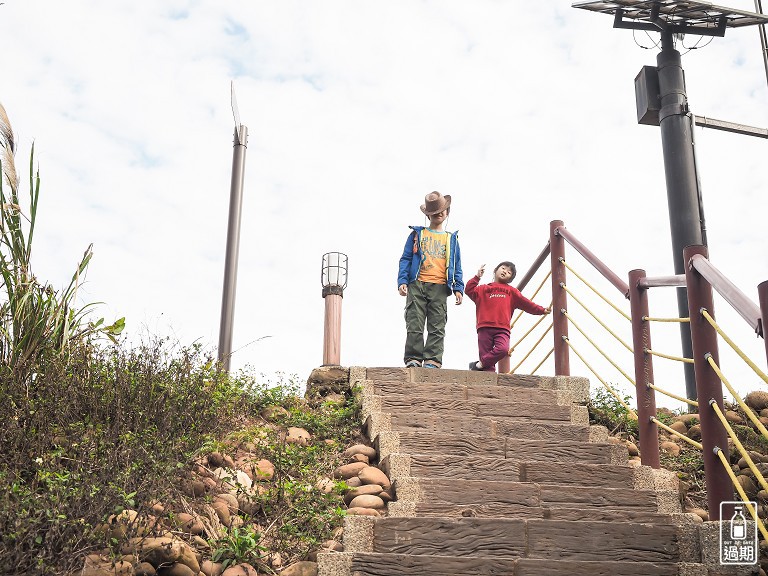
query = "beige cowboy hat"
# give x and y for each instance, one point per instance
(435, 202)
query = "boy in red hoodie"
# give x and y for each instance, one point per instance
(496, 302)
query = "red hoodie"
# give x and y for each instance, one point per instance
(497, 302)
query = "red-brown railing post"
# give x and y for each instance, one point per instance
(646, 397)
(708, 387)
(559, 300)
(762, 291)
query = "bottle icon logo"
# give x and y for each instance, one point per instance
(738, 525)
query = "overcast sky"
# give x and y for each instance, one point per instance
(524, 112)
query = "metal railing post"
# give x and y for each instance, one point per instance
(559, 300)
(708, 386)
(646, 397)
(762, 291)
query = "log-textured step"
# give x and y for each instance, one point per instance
(490, 408)
(506, 394)
(501, 447)
(543, 539)
(490, 468)
(366, 564)
(490, 499)
(502, 475)
(513, 428)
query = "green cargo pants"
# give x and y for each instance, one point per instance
(425, 303)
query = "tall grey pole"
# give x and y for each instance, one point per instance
(685, 213)
(233, 246)
(763, 38)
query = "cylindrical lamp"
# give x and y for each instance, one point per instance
(333, 278)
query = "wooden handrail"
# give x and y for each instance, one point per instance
(540, 259)
(598, 264)
(740, 302)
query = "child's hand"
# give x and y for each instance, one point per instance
(481, 271)
(548, 310)
(403, 289)
(459, 297)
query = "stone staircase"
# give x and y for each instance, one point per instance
(503, 475)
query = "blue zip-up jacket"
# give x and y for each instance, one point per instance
(412, 258)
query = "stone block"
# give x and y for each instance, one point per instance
(334, 564)
(358, 533)
(396, 466)
(579, 415)
(387, 443)
(598, 434)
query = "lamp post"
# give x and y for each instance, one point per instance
(662, 101)
(333, 277)
(226, 324)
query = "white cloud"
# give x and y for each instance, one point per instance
(355, 111)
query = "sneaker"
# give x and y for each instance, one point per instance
(413, 364)
(430, 365)
(473, 366)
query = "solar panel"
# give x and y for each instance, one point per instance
(676, 16)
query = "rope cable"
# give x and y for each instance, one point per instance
(744, 407)
(668, 356)
(739, 445)
(539, 365)
(605, 299)
(736, 349)
(532, 349)
(627, 376)
(741, 492)
(611, 332)
(671, 395)
(674, 432)
(524, 336)
(613, 392)
(652, 319)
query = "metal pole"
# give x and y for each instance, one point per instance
(762, 291)
(646, 397)
(680, 171)
(333, 296)
(763, 39)
(233, 246)
(713, 434)
(559, 300)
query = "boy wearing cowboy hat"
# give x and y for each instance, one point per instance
(429, 272)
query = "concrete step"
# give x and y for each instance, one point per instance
(538, 539)
(496, 499)
(482, 407)
(466, 377)
(489, 468)
(466, 392)
(472, 445)
(372, 564)
(452, 424)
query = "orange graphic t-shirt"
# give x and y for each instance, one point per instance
(434, 247)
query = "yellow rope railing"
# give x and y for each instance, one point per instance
(668, 356)
(611, 304)
(738, 444)
(627, 376)
(671, 395)
(741, 492)
(674, 432)
(549, 273)
(744, 407)
(651, 319)
(532, 349)
(608, 387)
(539, 365)
(524, 336)
(611, 332)
(736, 349)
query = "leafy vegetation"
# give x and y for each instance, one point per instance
(606, 410)
(96, 432)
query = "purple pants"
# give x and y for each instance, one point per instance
(493, 344)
